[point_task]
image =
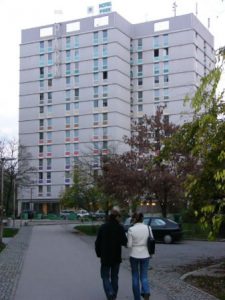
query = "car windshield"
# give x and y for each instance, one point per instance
(155, 222)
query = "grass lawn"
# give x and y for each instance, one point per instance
(213, 285)
(9, 232)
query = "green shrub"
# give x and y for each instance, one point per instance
(88, 229)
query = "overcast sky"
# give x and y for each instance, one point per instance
(21, 14)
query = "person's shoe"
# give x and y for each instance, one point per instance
(146, 296)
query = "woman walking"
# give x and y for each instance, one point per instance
(139, 257)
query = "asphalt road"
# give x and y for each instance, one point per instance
(61, 265)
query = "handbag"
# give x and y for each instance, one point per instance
(150, 243)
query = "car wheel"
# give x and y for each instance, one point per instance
(167, 239)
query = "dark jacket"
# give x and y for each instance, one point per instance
(111, 236)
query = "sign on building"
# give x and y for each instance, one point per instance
(105, 7)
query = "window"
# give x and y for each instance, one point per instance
(49, 45)
(40, 177)
(76, 120)
(42, 60)
(105, 132)
(40, 190)
(140, 107)
(67, 122)
(95, 37)
(165, 53)
(49, 109)
(42, 46)
(95, 51)
(67, 55)
(49, 149)
(105, 36)
(76, 41)
(40, 164)
(49, 82)
(104, 75)
(156, 54)
(105, 90)
(41, 84)
(95, 65)
(67, 69)
(139, 44)
(156, 80)
(166, 67)
(41, 97)
(68, 42)
(105, 102)
(76, 133)
(76, 71)
(140, 57)
(41, 124)
(76, 94)
(67, 95)
(67, 162)
(95, 103)
(95, 91)
(49, 123)
(41, 149)
(140, 71)
(67, 107)
(49, 97)
(140, 81)
(105, 145)
(49, 163)
(76, 55)
(42, 72)
(68, 80)
(96, 119)
(104, 50)
(76, 105)
(156, 41)
(49, 177)
(50, 61)
(96, 77)
(156, 95)
(105, 63)
(49, 137)
(50, 72)
(156, 69)
(104, 118)
(41, 137)
(166, 94)
(76, 147)
(49, 190)
(166, 79)
(165, 40)
(140, 96)
(76, 80)
(41, 109)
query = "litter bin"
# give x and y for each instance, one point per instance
(177, 218)
(25, 216)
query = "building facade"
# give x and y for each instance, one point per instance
(82, 82)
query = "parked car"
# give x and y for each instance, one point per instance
(163, 229)
(99, 214)
(65, 213)
(82, 213)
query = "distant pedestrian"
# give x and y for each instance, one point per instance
(108, 246)
(139, 256)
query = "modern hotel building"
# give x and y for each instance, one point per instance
(83, 81)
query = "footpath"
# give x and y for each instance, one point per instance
(52, 263)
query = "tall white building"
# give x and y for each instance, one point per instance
(83, 81)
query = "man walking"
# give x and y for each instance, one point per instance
(111, 236)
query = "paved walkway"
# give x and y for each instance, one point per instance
(52, 263)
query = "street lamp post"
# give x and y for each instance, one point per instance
(2, 159)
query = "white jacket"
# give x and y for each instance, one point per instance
(137, 240)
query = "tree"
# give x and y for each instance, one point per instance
(142, 171)
(204, 140)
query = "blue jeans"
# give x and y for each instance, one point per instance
(139, 269)
(109, 275)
